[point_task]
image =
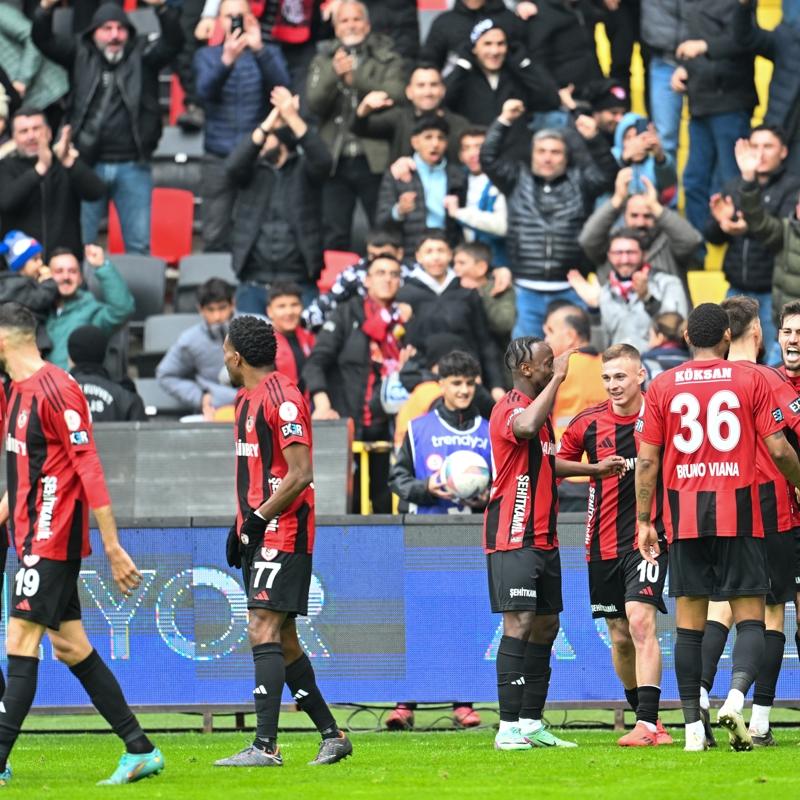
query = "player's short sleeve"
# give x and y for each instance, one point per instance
(571, 446)
(292, 421)
(70, 419)
(506, 427)
(650, 426)
(767, 414)
(787, 405)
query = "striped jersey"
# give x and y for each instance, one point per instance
(269, 418)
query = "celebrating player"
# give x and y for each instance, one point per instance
(623, 587)
(275, 540)
(707, 415)
(779, 512)
(53, 477)
(520, 539)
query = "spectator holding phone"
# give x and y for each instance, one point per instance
(637, 145)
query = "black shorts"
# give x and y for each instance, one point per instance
(525, 580)
(719, 567)
(797, 560)
(617, 581)
(46, 592)
(782, 567)
(277, 581)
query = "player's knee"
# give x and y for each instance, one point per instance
(545, 629)
(69, 653)
(642, 625)
(518, 625)
(262, 631)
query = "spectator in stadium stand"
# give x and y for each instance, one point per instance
(450, 31)
(77, 306)
(9, 103)
(489, 72)
(44, 184)
(548, 202)
(341, 75)
(663, 29)
(234, 80)
(295, 343)
(606, 100)
(190, 370)
(28, 282)
(568, 327)
(782, 47)
(419, 203)
(350, 281)
(472, 264)
(749, 263)
(633, 294)
(561, 42)
(114, 113)
(636, 145)
(378, 117)
(717, 75)
(279, 170)
(109, 400)
(359, 348)
(441, 305)
(669, 240)
(36, 80)
(667, 346)
(397, 19)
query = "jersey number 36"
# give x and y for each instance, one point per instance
(723, 428)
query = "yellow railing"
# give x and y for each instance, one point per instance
(363, 450)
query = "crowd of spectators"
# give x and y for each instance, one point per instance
(506, 184)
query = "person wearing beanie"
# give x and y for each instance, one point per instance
(109, 400)
(114, 111)
(28, 281)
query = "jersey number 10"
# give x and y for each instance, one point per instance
(719, 418)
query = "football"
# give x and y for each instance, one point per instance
(465, 473)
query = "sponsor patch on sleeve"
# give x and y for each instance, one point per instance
(777, 415)
(513, 413)
(794, 406)
(79, 437)
(292, 429)
(639, 425)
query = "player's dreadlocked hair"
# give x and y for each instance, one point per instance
(519, 350)
(741, 311)
(707, 325)
(254, 340)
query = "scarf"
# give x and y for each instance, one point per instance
(384, 329)
(622, 287)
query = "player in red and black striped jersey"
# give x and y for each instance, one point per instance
(273, 538)
(54, 477)
(708, 415)
(520, 539)
(623, 587)
(780, 517)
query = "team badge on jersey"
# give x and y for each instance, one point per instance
(22, 419)
(72, 420)
(288, 411)
(250, 424)
(269, 553)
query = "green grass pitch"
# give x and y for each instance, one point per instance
(411, 765)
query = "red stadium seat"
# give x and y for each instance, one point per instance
(335, 262)
(116, 243)
(176, 99)
(130, 5)
(171, 220)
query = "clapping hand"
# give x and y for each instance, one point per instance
(747, 159)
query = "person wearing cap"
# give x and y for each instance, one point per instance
(419, 203)
(28, 281)
(114, 110)
(279, 170)
(109, 400)
(489, 72)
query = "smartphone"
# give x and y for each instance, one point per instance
(636, 186)
(641, 125)
(237, 23)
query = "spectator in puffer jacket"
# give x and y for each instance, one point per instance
(548, 202)
(234, 81)
(748, 263)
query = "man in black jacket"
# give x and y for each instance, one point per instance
(109, 400)
(748, 263)
(115, 116)
(548, 203)
(717, 73)
(43, 186)
(277, 236)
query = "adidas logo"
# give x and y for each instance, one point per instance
(519, 681)
(260, 689)
(300, 695)
(262, 595)
(607, 443)
(23, 606)
(647, 591)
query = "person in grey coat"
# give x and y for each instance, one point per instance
(190, 369)
(634, 294)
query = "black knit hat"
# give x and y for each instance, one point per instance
(606, 93)
(110, 12)
(87, 345)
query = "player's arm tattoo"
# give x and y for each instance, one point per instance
(647, 465)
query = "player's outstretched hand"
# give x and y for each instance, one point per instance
(233, 554)
(613, 465)
(648, 542)
(123, 570)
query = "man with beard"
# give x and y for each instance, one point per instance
(191, 368)
(115, 117)
(279, 170)
(668, 239)
(44, 184)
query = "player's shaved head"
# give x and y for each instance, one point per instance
(707, 326)
(254, 340)
(18, 321)
(742, 312)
